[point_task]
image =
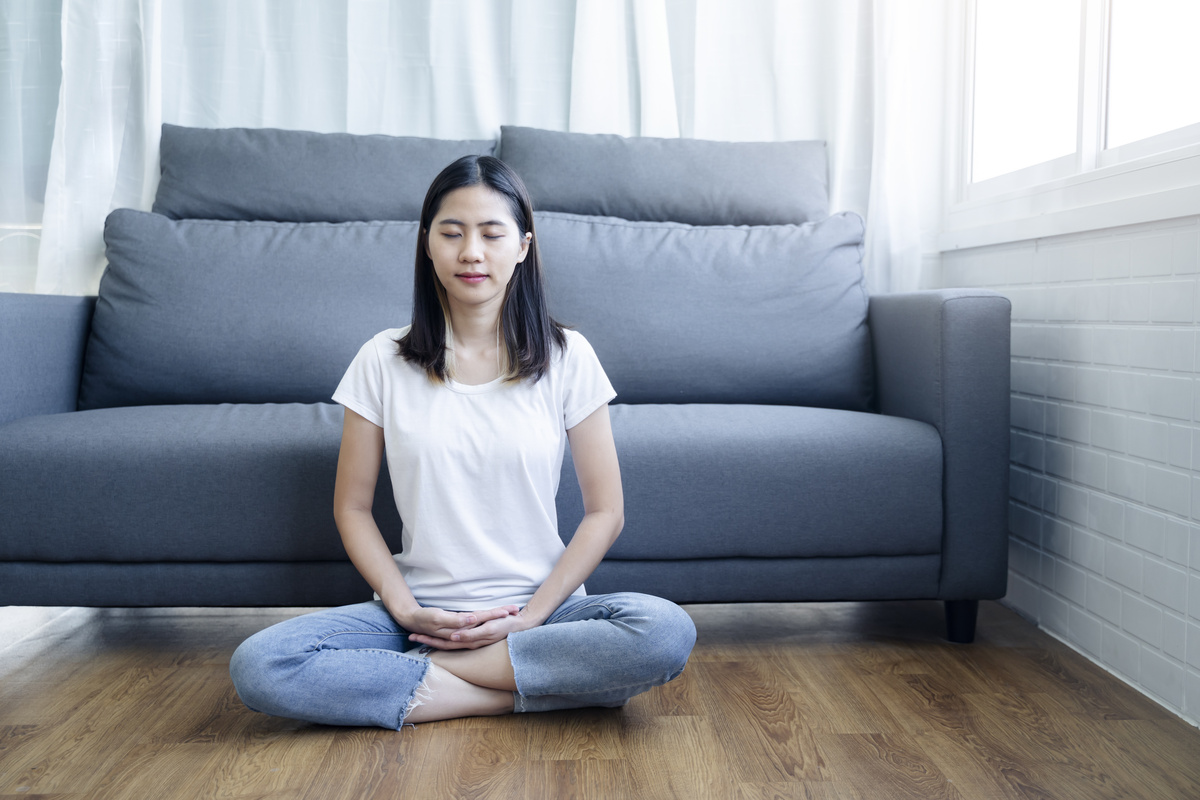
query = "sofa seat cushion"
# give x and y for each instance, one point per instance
(220, 483)
(726, 481)
(251, 483)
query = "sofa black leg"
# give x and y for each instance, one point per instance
(960, 620)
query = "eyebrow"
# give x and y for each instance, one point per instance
(481, 225)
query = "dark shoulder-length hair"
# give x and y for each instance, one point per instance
(530, 335)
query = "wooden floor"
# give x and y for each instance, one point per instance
(837, 700)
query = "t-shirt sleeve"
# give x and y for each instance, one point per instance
(361, 388)
(586, 386)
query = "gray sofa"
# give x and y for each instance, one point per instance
(782, 436)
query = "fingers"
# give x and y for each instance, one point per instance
(449, 620)
(495, 613)
(450, 630)
(494, 631)
(486, 633)
(469, 619)
(439, 643)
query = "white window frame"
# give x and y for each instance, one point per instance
(1148, 180)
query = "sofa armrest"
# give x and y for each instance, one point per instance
(943, 357)
(42, 339)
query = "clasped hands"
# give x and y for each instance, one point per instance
(462, 630)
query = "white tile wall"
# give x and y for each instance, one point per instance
(1105, 475)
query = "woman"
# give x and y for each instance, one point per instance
(484, 611)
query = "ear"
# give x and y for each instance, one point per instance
(525, 246)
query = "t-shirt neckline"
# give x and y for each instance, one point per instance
(478, 388)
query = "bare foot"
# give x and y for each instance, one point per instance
(488, 666)
(443, 695)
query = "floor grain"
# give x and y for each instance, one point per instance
(853, 701)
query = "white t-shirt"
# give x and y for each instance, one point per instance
(475, 468)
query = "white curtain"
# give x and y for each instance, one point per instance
(864, 75)
(30, 74)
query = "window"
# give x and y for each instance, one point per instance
(1075, 115)
(1026, 84)
(1153, 69)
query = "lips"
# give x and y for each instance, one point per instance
(471, 277)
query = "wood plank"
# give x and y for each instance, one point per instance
(1019, 728)
(958, 743)
(680, 697)
(921, 703)
(796, 790)
(978, 773)
(75, 754)
(374, 754)
(877, 765)
(576, 735)
(1151, 758)
(160, 770)
(208, 710)
(842, 700)
(673, 756)
(890, 657)
(601, 780)
(759, 725)
(831, 699)
(1080, 685)
(270, 760)
(461, 763)
(548, 780)
(1011, 746)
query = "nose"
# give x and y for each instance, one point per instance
(471, 251)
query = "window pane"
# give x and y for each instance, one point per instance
(1153, 68)
(1026, 83)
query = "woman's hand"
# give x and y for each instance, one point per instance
(437, 625)
(483, 632)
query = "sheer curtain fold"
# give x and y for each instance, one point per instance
(621, 72)
(104, 144)
(859, 74)
(30, 74)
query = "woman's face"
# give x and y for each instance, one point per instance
(475, 247)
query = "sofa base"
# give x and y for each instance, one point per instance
(307, 584)
(774, 580)
(329, 583)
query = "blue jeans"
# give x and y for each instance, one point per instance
(355, 665)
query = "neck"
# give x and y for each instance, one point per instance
(475, 328)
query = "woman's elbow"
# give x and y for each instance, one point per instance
(346, 514)
(618, 523)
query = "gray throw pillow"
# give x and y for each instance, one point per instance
(726, 314)
(300, 176)
(201, 311)
(681, 180)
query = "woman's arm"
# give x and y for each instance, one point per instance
(599, 474)
(353, 497)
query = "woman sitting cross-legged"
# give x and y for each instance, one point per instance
(484, 610)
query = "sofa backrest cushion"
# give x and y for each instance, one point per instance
(300, 176)
(725, 314)
(199, 311)
(683, 180)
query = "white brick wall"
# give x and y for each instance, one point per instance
(1104, 514)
